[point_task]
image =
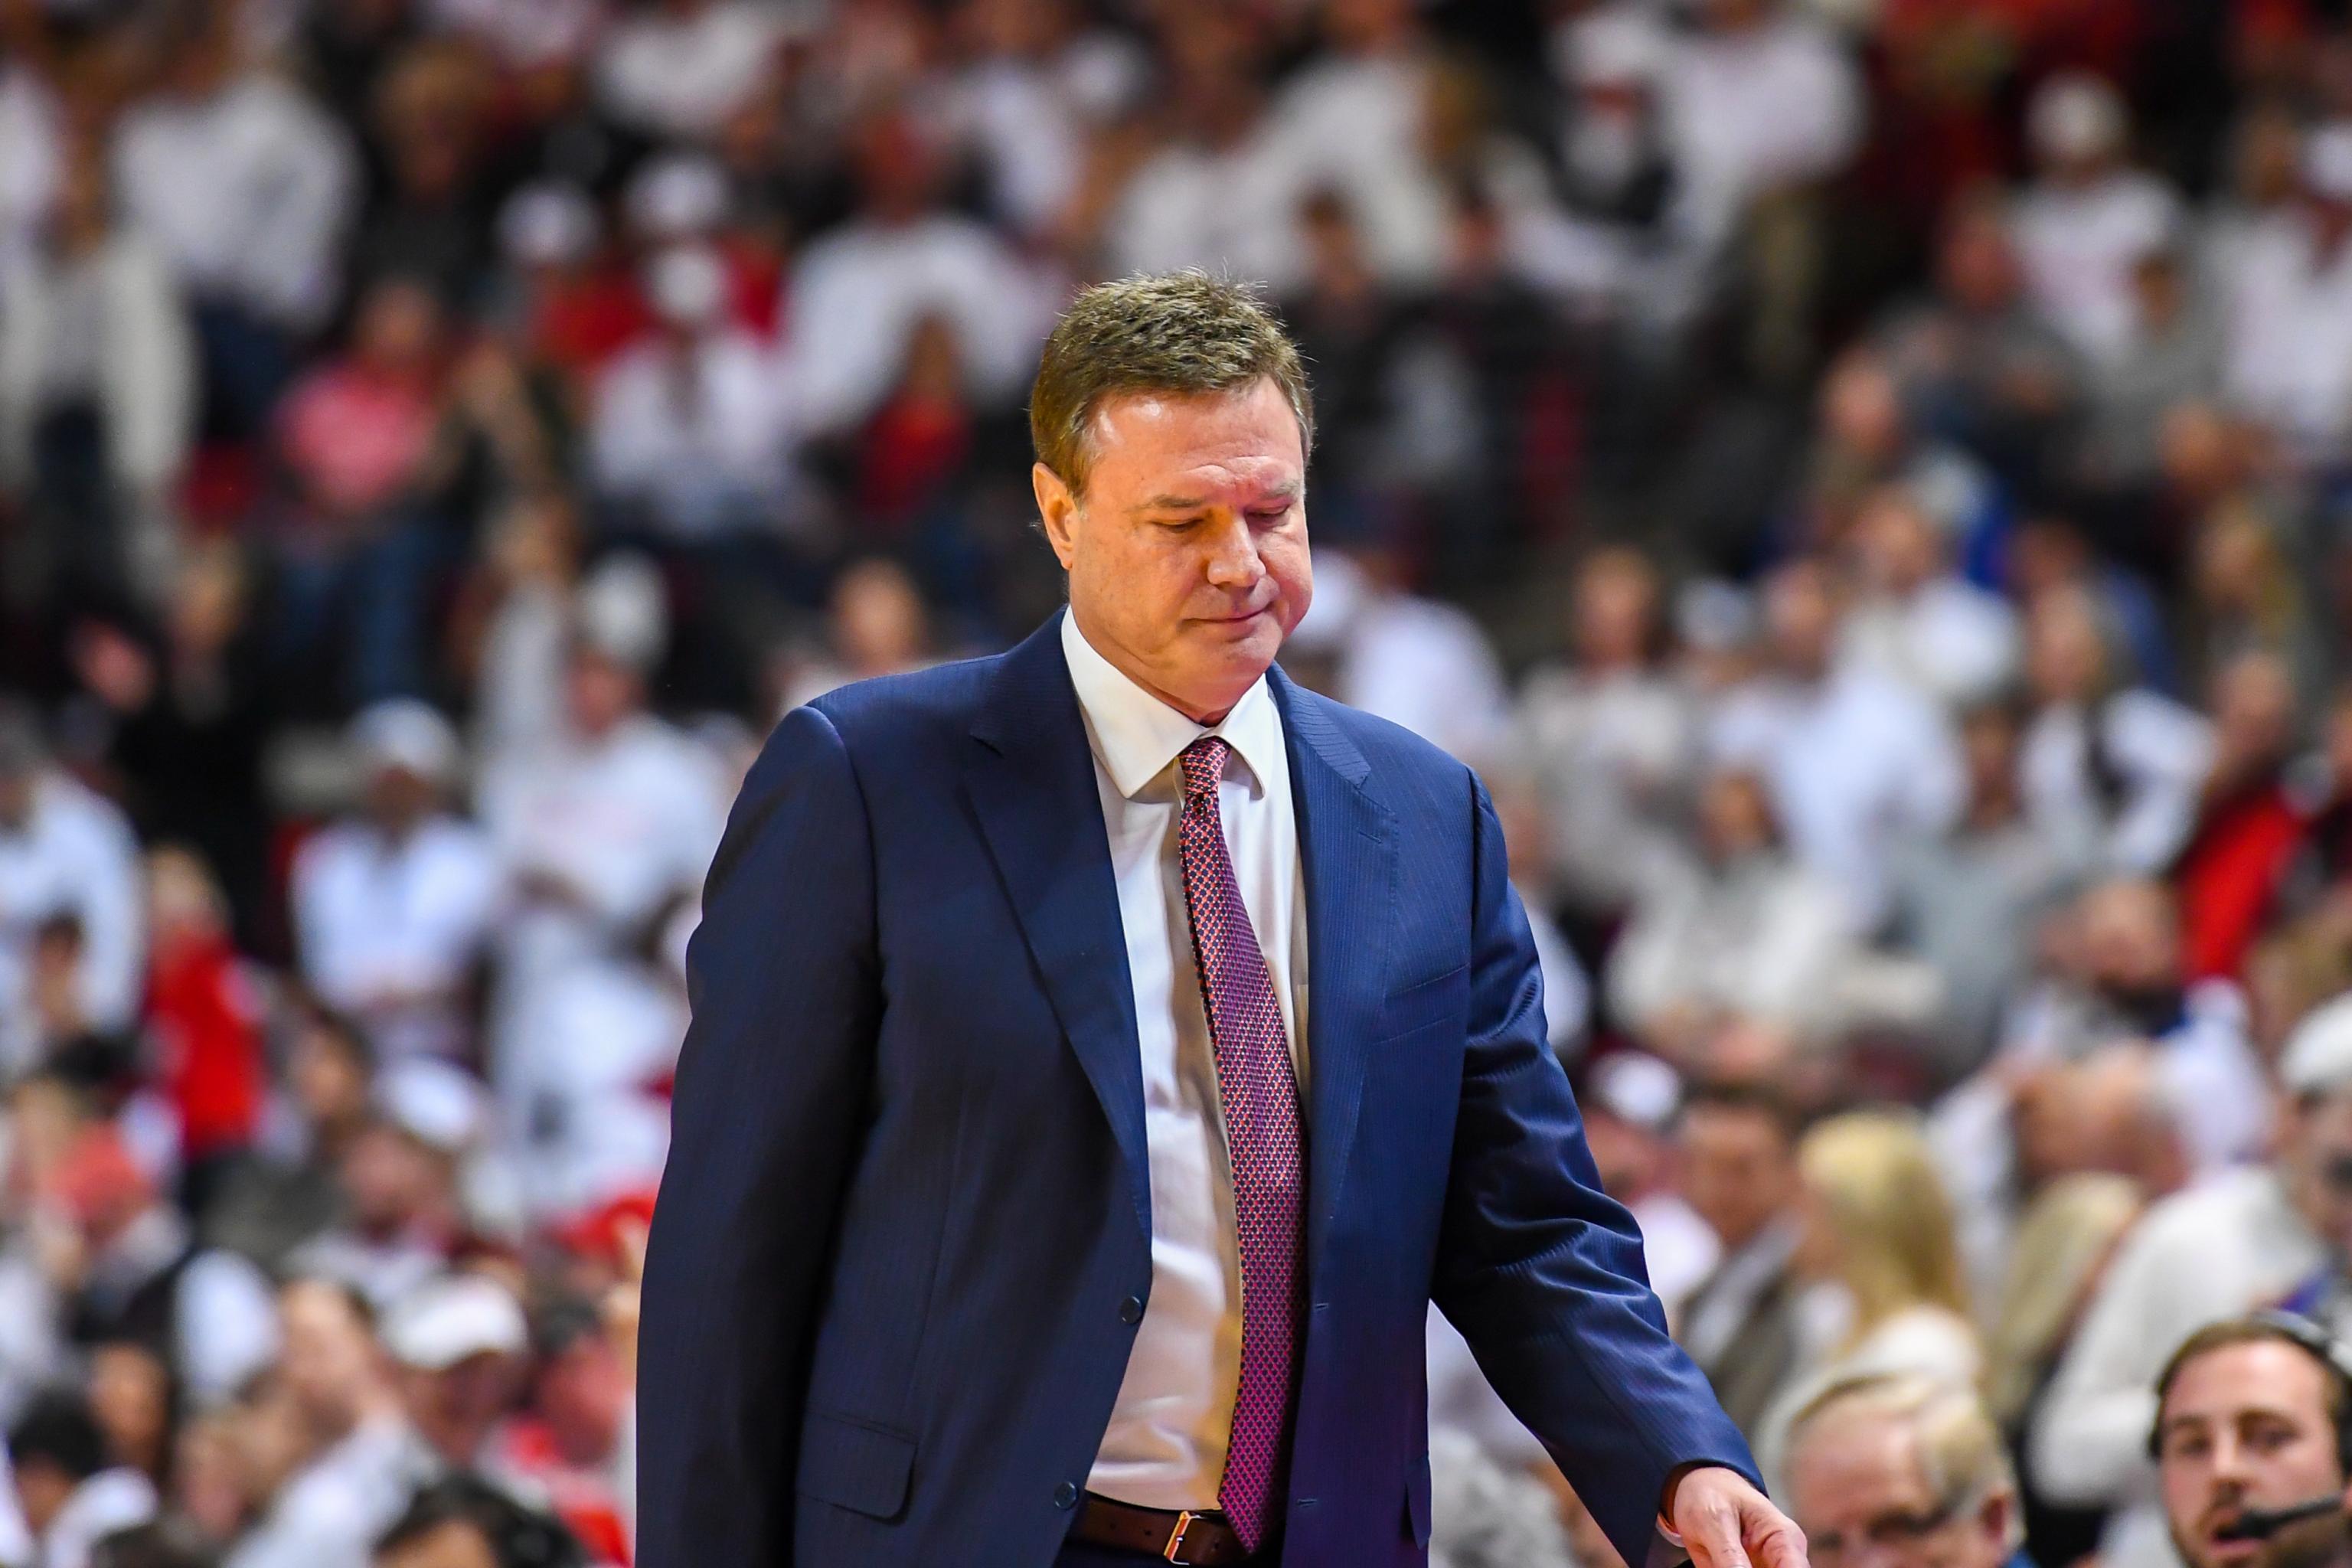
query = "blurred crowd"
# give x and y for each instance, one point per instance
(1865, 480)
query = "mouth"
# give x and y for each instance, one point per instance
(1247, 617)
(2220, 1547)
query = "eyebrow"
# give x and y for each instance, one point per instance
(1191, 503)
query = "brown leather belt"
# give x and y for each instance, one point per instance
(1172, 1535)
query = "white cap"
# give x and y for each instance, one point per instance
(1636, 1087)
(2327, 162)
(688, 285)
(2077, 115)
(434, 1102)
(1613, 48)
(623, 612)
(677, 196)
(2317, 1057)
(404, 733)
(548, 224)
(453, 1319)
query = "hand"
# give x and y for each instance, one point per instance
(1726, 1523)
(625, 1301)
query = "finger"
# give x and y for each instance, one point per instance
(1780, 1545)
(1717, 1544)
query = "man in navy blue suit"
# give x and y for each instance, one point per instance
(1102, 1056)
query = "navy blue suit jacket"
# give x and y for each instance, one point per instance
(904, 1235)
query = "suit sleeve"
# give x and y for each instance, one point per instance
(1539, 1269)
(771, 1087)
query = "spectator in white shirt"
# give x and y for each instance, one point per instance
(859, 293)
(97, 384)
(1857, 763)
(363, 1460)
(602, 833)
(406, 1176)
(2110, 766)
(2089, 218)
(1920, 621)
(1614, 735)
(1040, 89)
(1214, 191)
(2288, 308)
(2122, 987)
(64, 851)
(247, 188)
(1352, 123)
(679, 68)
(393, 908)
(690, 436)
(2239, 1239)
(1745, 930)
(1761, 99)
(32, 155)
(1414, 661)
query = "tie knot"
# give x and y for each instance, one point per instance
(1204, 763)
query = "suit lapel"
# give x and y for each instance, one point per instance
(1347, 850)
(1032, 784)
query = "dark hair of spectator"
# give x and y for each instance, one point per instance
(58, 1429)
(518, 1537)
(167, 1543)
(1732, 1097)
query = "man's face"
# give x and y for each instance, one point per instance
(2246, 1427)
(1187, 550)
(1738, 1170)
(328, 1357)
(1858, 1492)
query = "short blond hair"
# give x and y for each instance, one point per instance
(1182, 333)
(1961, 1455)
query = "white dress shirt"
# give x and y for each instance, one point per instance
(391, 929)
(1166, 1444)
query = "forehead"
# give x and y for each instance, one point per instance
(1857, 1464)
(2266, 1375)
(1244, 439)
(1744, 1128)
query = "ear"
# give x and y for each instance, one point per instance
(1998, 1518)
(1057, 508)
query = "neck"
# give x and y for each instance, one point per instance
(1202, 712)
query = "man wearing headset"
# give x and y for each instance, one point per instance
(2253, 1445)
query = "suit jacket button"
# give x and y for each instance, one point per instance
(1065, 1495)
(1131, 1309)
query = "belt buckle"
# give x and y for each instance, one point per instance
(1185, 1519)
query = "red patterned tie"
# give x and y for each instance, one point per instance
(1260, 1097)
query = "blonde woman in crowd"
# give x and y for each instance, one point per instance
(1886, 1293)
(2064, 1242)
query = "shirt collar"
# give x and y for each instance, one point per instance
(1136, 736)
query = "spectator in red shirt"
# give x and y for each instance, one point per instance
(204, 1016)
(2249, 826)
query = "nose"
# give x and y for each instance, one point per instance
(2227, 1465)
(1233, 559)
